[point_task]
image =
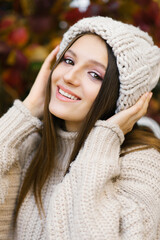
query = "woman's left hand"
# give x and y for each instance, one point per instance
(127, 118)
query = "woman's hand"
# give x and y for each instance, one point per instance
(127, 118)
(35, 100)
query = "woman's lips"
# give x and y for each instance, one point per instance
(66, 96)
(68, 91)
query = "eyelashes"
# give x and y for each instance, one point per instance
(93, 74)
(96, 76)
(68, 61)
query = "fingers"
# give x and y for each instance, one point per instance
(127, 118)
(53, 54)
(144, 104)
(140, 108)
(51, 57)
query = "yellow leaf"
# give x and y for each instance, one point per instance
(11, 58)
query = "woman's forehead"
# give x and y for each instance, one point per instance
(91, 47)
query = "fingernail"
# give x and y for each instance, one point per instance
(146, 94)
(56, 48)
(150, 95)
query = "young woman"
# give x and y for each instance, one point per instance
(73, 163)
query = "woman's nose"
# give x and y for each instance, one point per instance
(72, 76)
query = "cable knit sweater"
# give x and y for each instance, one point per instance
(103, 197)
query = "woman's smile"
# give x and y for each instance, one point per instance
(77, 79)
(66, 95)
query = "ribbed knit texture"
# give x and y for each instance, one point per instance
(138, 59)
(102, 197)
(15, 126)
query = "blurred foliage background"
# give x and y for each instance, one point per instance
(30, 29)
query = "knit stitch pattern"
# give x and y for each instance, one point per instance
(138, 59)
(18, 118)
(102, 197)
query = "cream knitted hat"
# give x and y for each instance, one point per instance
(138, 59)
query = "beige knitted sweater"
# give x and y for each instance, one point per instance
(103, 197)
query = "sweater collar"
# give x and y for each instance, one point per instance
(66, 135)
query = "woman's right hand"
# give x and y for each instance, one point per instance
(36, 97)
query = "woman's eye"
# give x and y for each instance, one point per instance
(68, 61)
(96, 76)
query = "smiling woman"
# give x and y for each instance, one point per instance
(77, 80)
(73, 162)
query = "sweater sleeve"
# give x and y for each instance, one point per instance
(89, 204)
(15, 126)
(138, 192)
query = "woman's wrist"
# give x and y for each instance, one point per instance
(32, 108)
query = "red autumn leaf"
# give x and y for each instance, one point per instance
(18, 37)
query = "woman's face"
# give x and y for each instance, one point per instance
(77, 80)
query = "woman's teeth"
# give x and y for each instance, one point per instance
(67, 95)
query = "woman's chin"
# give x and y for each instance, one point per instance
(58, 112)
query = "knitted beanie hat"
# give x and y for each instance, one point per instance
(138, 59)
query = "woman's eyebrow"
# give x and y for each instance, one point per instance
(69, 50)
(90, 60)
(98, 63)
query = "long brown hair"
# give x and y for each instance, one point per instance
(103, 107)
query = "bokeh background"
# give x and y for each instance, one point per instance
(30, 29)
